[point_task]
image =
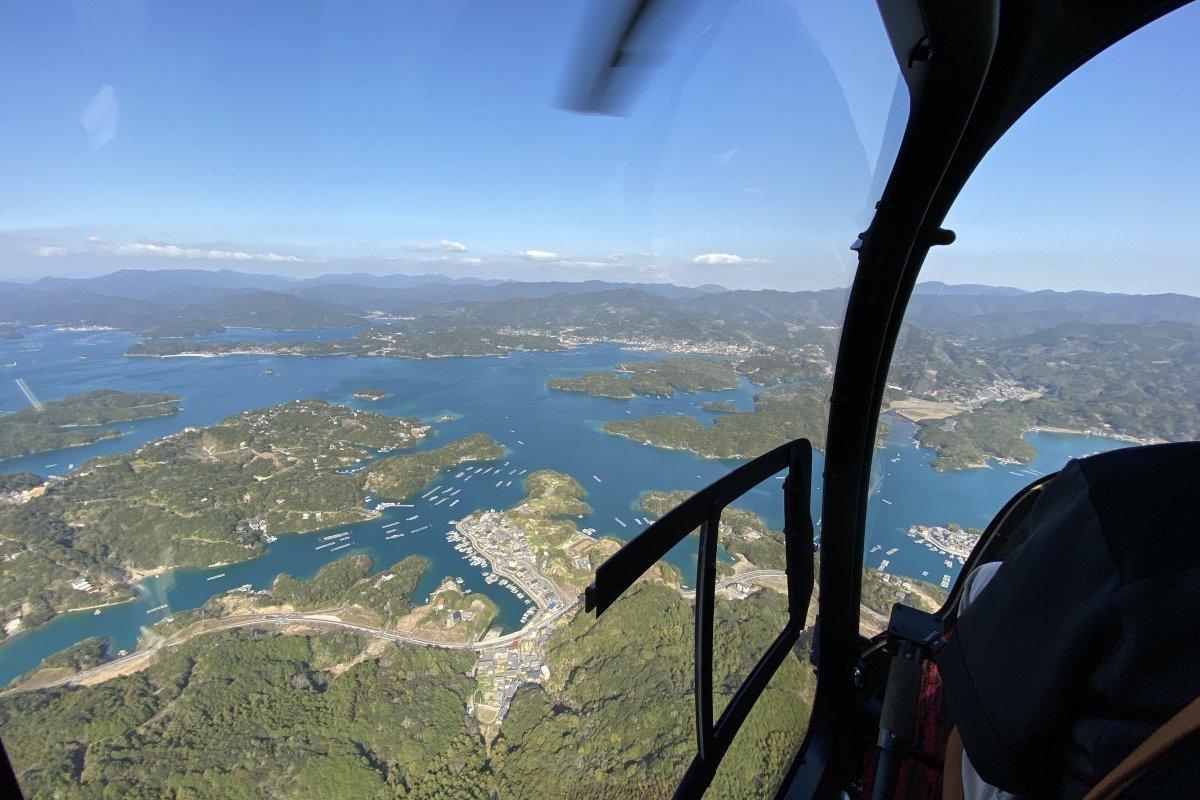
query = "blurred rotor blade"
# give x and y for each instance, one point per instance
(615, 50)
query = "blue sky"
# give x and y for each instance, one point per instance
(310, 137)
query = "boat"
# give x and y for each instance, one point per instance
(596, 478)
(410, 519)
(214, 577)
(340, 546)
(619, 522)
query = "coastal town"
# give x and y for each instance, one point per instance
(953, 541)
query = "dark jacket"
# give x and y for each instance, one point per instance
(1088, 637)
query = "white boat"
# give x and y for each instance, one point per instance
(340, 546)
(214, 577)
(893, 551)
(596, 478)
(410, 519)
(156, 609)
(619, 522)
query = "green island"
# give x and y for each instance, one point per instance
(376, 341)
(203, 497)
(660, 378)
(73, 421)
(720, 406)
(780, 415)
(370, 394)
(256, 713)
(397, 477)
(798, 365)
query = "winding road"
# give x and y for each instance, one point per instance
(322, 619)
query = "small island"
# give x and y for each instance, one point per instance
(720, 406)
(398, 477)
(780, 415)
(370, 394)
(661, 378)
(74, 421)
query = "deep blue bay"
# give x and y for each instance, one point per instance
(504, 397)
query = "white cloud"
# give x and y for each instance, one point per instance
(453, 247)
(419, 248)
(472, 262)
(726, 259)
(50, 251)
(539, 255)
(724, 158)
(99, 119)
(175, 251)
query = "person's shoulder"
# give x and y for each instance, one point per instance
(1147, 502)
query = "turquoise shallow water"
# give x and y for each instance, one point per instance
(505, 397)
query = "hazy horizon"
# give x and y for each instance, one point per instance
(411, 139)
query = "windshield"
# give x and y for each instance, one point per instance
(335, 355)
(1005, 369)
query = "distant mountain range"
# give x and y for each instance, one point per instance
(185, 302)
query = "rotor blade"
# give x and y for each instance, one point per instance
(613, 54)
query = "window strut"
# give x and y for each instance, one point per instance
(703, 510)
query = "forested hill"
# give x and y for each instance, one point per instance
(181, 302)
